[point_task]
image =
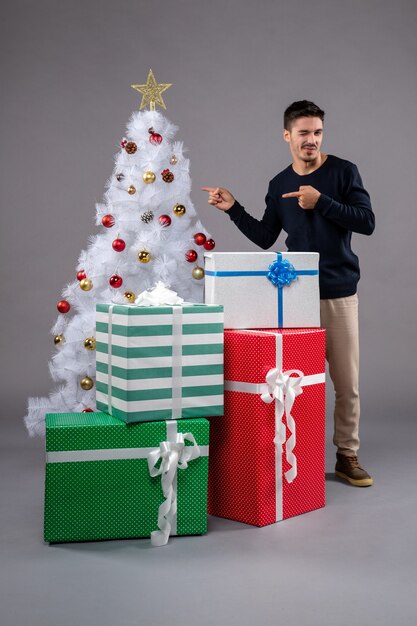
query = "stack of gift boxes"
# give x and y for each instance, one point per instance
(140, 467)
(267, 453)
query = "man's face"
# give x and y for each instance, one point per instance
(304, 138)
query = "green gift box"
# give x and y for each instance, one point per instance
(109, 480)
(159, 362)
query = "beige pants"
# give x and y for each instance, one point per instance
(339, 316)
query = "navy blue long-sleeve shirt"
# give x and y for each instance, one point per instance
(343, 207)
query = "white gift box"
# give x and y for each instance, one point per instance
(264, 289)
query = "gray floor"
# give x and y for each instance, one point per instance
(352, 563)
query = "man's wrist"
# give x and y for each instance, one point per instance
(323, 202)
(231, 206)
(235, 210)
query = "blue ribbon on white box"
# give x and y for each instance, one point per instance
(280, 272)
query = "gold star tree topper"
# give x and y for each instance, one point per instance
(152, 92)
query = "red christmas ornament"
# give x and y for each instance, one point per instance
(199, 238)
(191, 256)
(107, 221)
(154, 138)
(209, 244)
(123, 143)
(87, 410)
(63, 306)
(164, 220)
(118, 245)
(81, 274)
(115, 281)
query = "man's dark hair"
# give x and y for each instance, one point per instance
(301, 108)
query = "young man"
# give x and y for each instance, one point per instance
(319, 200)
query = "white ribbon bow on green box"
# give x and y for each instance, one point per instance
(174, 455)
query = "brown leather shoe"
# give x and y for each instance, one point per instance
(348, 468)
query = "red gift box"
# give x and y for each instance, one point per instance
(267, 455)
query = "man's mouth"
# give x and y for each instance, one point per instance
(309, 147)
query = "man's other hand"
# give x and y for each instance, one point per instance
(307, 196)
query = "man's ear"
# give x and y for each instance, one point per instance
(286, 135)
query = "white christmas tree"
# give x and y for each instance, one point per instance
(149, 233)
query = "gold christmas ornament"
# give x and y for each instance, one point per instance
(131, 147)
(131, 190)
(179, 210)
(58, 339)
(90, 343)
(173, 160)
(86, 383)
(198, 272)
(152, 92)
(148, 177)
(144, 256)
(86, 284)
(130, 296)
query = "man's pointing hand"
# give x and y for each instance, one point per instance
(219, 197)
(307, 196)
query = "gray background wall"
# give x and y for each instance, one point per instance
(66, 71)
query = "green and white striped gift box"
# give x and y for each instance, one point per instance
(159, 363)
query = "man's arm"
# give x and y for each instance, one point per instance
(262, 232)
(354, 213)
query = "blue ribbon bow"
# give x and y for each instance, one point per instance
(281, 272)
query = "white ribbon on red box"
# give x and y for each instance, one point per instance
(283, 388)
